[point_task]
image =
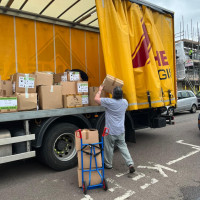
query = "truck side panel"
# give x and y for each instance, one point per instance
(7, 47)
(28, 46)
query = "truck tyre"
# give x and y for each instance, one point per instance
(58, 148)
(193, 109)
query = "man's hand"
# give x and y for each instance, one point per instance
(101, 88)
(97, 97)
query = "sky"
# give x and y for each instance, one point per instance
(189, 9)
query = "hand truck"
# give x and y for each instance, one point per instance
(92, 146)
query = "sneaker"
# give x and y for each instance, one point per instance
(131, 169)
(106, 167)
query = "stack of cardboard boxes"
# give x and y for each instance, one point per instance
(43, 90)
(89, 136)
(49, 95)
(74, 91)
(24, 88)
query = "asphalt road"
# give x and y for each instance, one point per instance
(167, 163)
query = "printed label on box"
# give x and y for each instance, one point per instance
(26, 82)
(64, 78)
(30, 82)
(85, 99)
(82, 87)
(21, 82)
(8, 103)
(74, 76)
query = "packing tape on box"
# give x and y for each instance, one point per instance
(13, 87)
(51, 90)
(114, 82)
(26, 86)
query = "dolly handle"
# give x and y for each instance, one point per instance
(78, 133)
(105, 132)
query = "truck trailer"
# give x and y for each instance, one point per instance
(131, 40)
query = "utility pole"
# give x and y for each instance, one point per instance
(183, 27)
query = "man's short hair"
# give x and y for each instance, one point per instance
(117, 93)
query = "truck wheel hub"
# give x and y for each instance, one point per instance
(61, 145)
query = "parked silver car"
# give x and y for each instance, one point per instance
(187, 101)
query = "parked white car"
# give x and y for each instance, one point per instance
(187, 101)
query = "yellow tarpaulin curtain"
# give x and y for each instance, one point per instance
(162, 62)
(130, 52)
(25, 39)
(28, 45)
(62, 45)
(114, 33)
(144, 66)
(7, 47)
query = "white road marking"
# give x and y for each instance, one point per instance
(117, 186)
(126, 195)
(121, 174)
(153, 181)
(187, 155)
(158, 168)
(183, 157)
(110, 180)
(139, 176)
(182, 142)
(87, 197)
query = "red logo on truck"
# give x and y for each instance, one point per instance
(141, 53)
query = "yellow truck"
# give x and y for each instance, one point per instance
(131, 40)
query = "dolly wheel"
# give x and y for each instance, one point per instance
(84, 186)
(105, 186)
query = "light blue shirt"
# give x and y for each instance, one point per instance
(115, 114)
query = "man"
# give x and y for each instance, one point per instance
(114, 120)
(190, 53)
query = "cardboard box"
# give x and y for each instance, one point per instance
(43, 78)
(72, 101)
(88, 136)
(60, 77)
(27, 101)
(50, 97)
(7, 89)
(110, 83)
(23, 83)
(86, 159)
(85, 100)
(68, 87)
(8, 104)
(95, 177)
(92, 93)
(73, 76)
(82, 87)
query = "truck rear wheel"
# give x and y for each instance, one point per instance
(58, 148)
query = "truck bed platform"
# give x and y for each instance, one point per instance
(26, 115)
